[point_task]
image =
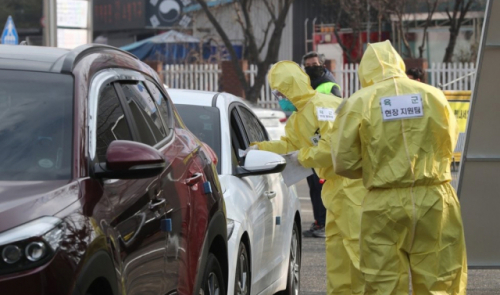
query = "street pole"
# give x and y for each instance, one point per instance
(90, 22)
(368, 25)
(50, 23)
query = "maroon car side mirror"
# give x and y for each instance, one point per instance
(130, 160)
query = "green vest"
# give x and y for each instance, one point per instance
(326, 87)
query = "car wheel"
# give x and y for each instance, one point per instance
(213, 280)
(242, 277)
(293, 279)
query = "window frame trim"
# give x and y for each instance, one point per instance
(98, 82)
(170, 124)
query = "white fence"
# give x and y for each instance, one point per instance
(453, 76)
(198, 77)
(347, 78)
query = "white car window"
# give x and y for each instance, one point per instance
(253, 127)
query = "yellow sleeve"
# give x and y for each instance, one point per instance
(282, 146)
(285, 144)
(346, 141)
(318, 156)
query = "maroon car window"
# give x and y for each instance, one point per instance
(36, 125)
(160, 100)
(145, 113)
(111, 122)
(254, 130)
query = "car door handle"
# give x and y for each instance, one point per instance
(193, 180)
(270, 194)
(156, 203)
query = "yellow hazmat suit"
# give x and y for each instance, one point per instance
(308, 130)
(399, 135)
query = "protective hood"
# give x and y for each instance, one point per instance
(380, 62)
(288, 78)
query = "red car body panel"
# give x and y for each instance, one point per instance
(112, 226)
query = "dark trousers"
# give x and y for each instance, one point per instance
(319, 209)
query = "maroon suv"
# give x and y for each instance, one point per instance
(103, 190)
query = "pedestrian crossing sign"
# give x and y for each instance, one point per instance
(9, 35)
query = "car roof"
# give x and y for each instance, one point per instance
(48, 59)
(35, 58)
(202, 98)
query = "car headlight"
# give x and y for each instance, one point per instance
(230, 227)
(30, 245)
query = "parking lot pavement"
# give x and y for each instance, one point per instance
(313, 270)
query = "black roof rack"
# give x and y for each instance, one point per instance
(81, 51)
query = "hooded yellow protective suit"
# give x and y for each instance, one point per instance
(411, 216)
(308, 130)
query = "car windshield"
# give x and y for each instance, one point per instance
(35, 125)
(204, 123)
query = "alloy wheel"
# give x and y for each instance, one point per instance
(295, 264)
(213, 284)
(242, 272)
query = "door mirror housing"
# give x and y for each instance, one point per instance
(261, 162)
(130, 160)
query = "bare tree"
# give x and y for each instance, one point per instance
(431, 8)
(277, 11)
(456, 17)
(348, 17)
(354, 17)
(401, 9)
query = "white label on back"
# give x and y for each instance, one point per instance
(407, 106)
(325, 114)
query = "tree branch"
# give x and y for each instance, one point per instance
(270, 10)
(227, 43)
(430, 13)
(266, 33)
(279, 24)
(346, 50)
(249, 35)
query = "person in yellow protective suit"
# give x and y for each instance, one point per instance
(398, 135)
(307, 134)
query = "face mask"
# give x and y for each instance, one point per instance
(286, 105)
(315, 72)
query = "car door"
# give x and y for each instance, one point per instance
(134, 225)
(256, 132)
(260, 215)
(196, 184)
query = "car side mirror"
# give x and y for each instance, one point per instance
(261, 162)
(130, 160)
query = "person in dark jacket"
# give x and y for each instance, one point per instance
(322, 79)
(416, 74)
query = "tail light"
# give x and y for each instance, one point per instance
(283, 120)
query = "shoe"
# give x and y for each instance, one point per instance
(309, 233)
(319, 232)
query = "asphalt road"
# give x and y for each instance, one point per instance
(313, 271)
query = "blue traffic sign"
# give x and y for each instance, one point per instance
(9, 35)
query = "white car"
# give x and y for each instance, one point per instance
(273, 121)
(264, 221)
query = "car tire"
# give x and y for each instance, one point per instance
(293, 278)
(242, 276)
(213, 279)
